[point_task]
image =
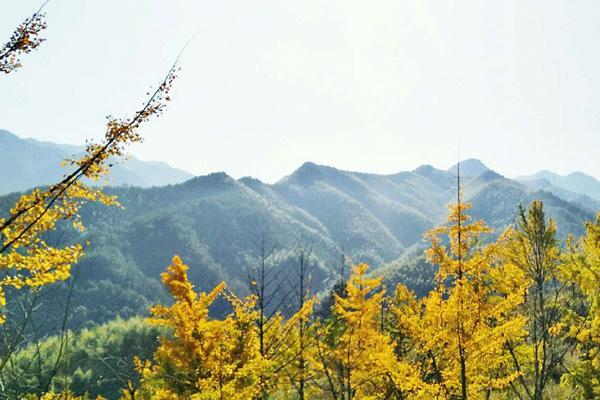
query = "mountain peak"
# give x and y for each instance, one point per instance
(424, 169)
(210, 181)
(580, 175)
(308, 166)
(471, 167)
(306, 174)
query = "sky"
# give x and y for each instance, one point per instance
(374, 86)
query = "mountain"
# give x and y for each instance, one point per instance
(214, 221)
(27, 163)
(576, 182)
(582, 200)
(470, 168)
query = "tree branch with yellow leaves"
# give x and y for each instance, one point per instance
(26, 259)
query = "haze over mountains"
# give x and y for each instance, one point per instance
(26, 163)
(213, 221)
(576, 183)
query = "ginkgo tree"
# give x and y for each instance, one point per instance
(357, 359)
(210, 358)
(582, 267)
(458, 332)
(206, 358)
(469, 338)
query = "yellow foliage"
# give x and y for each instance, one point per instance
(458, 332)
(583, 269)
(67, 395)
(26, 258)
(356, 356)
(206, 358)
(290, 352)
(531, 249)
(24, 39)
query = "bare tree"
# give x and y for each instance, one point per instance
(266, 284)
(300, 372)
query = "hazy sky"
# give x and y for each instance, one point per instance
(375, 86)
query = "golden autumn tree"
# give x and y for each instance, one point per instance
(27, 259)
(206, 358)
(356, 358)
(582, 268)
(457, 334)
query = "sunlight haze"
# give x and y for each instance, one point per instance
(380, 86)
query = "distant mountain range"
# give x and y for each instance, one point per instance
(577, 186)
(27, 163)
(213, 222)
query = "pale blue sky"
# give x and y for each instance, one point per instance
(376, 86)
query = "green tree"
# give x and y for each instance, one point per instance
(533, 249)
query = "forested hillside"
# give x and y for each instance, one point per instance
(214, 222)
(471, 332)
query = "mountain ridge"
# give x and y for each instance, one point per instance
(213, 221)
(575, 182)
(28, 163)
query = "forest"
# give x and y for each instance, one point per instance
(479, 314)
